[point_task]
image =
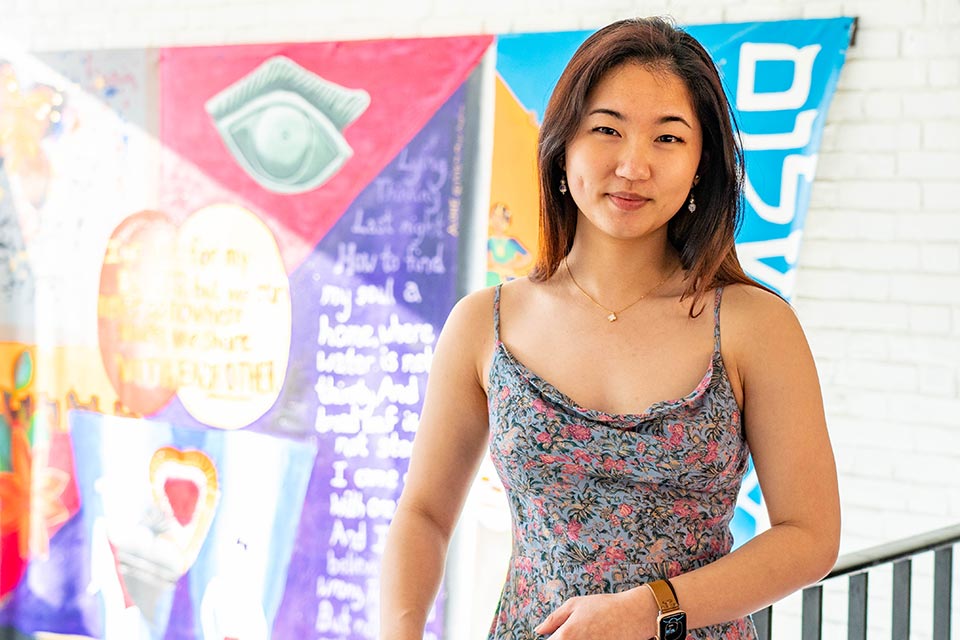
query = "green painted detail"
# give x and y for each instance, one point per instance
(23, 371)
(5, 462)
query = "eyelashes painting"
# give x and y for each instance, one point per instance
(283, 125)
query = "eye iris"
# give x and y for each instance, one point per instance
(282, 136)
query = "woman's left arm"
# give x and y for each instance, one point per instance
(786, 429)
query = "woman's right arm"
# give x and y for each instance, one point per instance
(447, 450)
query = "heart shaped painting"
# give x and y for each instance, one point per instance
(185, 487)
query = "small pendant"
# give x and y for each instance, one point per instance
(612, 317)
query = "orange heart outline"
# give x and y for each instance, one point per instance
(164, 464)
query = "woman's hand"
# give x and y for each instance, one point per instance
(628, 615)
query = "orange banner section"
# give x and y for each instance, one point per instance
(514, 200)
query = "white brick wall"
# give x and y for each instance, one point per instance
(879, 283)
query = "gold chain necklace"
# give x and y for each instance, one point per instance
(611, 314)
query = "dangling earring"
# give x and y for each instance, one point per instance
(563, 185)
(692, 205)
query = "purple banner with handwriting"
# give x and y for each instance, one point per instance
(368, 305)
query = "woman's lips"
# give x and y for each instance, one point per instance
(628, 201)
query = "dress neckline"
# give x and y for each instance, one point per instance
(715, 370)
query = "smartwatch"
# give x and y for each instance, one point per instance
(672, 620)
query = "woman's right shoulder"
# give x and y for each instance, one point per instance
(475, 311)
(468, 338)
(470, 323)
(473, 308)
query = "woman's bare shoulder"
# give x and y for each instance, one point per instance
(756, 322)
(745, 305)
(472, 313)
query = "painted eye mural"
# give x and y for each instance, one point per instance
(283, 123)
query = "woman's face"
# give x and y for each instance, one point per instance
(632, 162)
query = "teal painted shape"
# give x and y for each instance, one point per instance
(282, 124)
(5, 462)
(23, 371)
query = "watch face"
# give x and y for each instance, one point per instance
(673, 626)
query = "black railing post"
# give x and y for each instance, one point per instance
(857, 607)
(811, 624)
(763, 621)
(901, 599)
(942, 590)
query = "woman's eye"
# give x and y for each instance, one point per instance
(607, 131)
(669, 138)
(283, 124)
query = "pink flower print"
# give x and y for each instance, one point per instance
(542, 407)
(544, 438)
(573, 530)
(582, 456)
(594, 570)
(546, 458)
(690, 541)
(711, 452)
(504, 393)
(676, 434)
(625, 510)
(609, 464)
(521, 586)
(578, 432)
(615, 554)
(571, 469)
(523, 563)
(641, 447)
(714, 521)
(684, 507)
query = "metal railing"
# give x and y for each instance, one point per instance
(857, 565)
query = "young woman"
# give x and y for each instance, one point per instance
(618, 397)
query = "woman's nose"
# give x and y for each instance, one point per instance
(634, 163)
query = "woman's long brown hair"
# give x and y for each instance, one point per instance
(704, 239)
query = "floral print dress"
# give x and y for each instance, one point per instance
(603, 503)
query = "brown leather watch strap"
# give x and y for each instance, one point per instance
(663, 594)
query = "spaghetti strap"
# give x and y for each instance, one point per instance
(496, 314)
(716, 320)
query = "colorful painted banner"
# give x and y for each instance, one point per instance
(218, 328)
(780, 78)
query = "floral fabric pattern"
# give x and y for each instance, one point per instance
(602, 503)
